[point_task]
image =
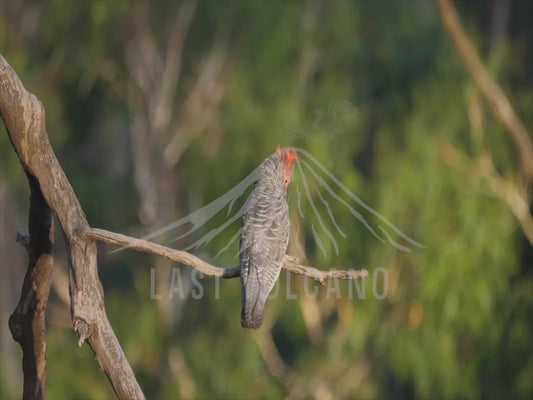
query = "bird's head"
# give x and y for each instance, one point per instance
(287, 157)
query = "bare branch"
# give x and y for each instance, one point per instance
(290, 263)
(168, 81)
(24, 119)
(153, 248)
(153, 80)
(27, 323)
(501, 106)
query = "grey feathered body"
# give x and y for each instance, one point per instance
(264, 240)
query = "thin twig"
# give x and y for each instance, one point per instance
(289, 264)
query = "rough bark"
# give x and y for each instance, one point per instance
(51, 193)
(24, 119)
(27, 323)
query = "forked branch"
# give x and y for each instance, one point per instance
(24, 119)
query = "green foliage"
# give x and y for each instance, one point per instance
(455, 321)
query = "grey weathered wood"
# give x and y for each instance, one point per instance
(24, 119)
(27, 323)
(290, 264)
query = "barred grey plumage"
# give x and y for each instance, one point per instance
(265, 235)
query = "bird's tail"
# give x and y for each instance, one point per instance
(253, 308)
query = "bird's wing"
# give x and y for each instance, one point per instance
(264, 238)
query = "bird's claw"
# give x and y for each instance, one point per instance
(292, 259)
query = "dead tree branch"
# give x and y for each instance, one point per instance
(145, 246)
(290, 263)
(24, 119)
(27, 323)
(51, 192)
(500, 104)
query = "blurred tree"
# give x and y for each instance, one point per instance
(155, 109)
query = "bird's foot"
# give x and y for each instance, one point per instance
(292, 259)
